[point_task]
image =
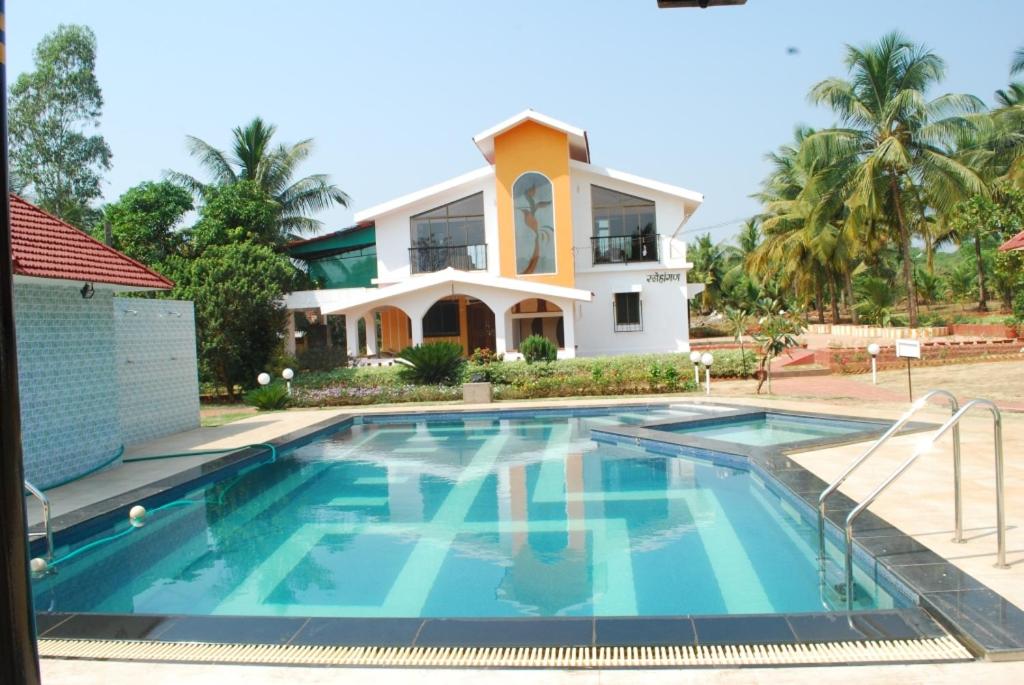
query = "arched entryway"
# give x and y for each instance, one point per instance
(461, 319)
(537, 316)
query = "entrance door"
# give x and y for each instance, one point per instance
(480, 322)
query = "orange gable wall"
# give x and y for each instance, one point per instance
(533, 147)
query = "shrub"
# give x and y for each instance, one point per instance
(274, 396)
(484, 355)
(323, 359)
(438, 363)
(537, 348)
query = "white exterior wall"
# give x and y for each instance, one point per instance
(669, 216)
(663, 313)
(394, 237)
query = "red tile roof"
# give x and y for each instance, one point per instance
(1014, 243)
(46, 247)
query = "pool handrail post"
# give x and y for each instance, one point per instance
(44, 502)
(953, 423)
(900, 423)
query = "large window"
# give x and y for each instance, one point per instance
(628, 313)
(624, 227)
(442, 320)
(451, 235)
(533, 204)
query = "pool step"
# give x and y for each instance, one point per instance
(926, 650)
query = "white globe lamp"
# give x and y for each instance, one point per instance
(263, 378)
(873, 350)
(707, 359)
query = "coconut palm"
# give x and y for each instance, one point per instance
(896, 137)
(708, 260)
(254, 157)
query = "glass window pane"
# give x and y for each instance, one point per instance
(475, 231)
(467, 206)
(457, 231)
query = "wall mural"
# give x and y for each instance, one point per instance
(535, 224)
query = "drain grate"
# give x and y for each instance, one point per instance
(895, 651)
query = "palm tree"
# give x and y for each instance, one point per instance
(738, 320)
(708, 260)
(898, 139)
(254, 157)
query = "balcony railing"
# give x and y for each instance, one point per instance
(424, 260)
(623, 249)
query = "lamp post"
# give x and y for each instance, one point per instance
(695, 358)
(707, 359)
(288, 375)
(873, 350)
(263, 379)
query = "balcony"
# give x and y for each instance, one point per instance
(624, 249)
(424, 260)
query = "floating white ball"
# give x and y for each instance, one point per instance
(137, 516)
(287, 374)
(263, 378)
(39, 566)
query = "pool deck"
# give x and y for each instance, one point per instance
(920, 504)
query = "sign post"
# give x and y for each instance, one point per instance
(908, 349)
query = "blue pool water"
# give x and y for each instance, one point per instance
(486, 516)
(772, 429)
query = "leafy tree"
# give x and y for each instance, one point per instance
(986, 222)
(899, 140)
(55, 157)
(708, 268)
(237, 290)
(877, 303)
(777, 332)
(236, 213)
(146, 221)
(272, 168)
(738, 321)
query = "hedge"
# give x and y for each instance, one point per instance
(587, 376)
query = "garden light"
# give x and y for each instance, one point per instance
(288, 375)
(695, 358)
(707, 359)
(873, 350)
(263, 378)
(39, 566)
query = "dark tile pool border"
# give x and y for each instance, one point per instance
(963, 605)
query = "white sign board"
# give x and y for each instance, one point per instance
(911, 349)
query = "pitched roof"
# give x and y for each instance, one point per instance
(579, 146)
(46, 247)
(1014, 243)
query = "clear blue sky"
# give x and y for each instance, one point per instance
(392, 91)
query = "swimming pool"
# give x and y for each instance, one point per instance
(769, 429)
(475, 515)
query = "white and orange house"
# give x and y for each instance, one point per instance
(537, 241)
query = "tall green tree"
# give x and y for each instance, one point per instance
(146, 222)
(708, 260)
(898, 138)
(237, 290)
(272, 167)
(57, 158)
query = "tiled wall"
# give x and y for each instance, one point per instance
(156, 367)
(67, 375)
(94, 377)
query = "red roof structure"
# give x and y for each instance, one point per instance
(46, 247)
(1014, 243)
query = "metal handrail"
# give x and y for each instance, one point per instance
(997, 435)
(47, 528)
(902, 421)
